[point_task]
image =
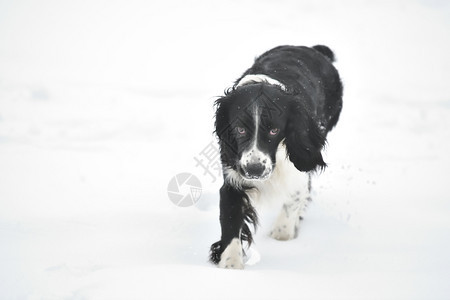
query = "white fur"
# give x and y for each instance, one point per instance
(288, 220)
(260, 78)
(232, 257)
(286, 185)
(254, 154)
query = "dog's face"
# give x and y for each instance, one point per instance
(253, 120)
(256, 118)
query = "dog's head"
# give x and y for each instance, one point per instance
(251, 122)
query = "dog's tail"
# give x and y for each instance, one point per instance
(325, 51)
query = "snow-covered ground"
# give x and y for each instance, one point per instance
(103, 102)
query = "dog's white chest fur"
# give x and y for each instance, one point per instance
(285, 182)
(287, 187)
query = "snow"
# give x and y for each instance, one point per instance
(102, 103)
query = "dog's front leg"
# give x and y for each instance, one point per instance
(227, 252)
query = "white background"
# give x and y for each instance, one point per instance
(103, 102)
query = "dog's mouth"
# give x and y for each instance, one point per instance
(257, 178)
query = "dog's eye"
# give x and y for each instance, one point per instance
(274, 131)
(240, 130)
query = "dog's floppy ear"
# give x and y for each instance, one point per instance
(304, 140)
(224, 130)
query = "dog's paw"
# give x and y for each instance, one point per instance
(232, 257)
(284, 232)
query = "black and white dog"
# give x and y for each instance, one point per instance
(272, 125)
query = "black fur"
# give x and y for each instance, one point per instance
(300, 113)
(236, 213)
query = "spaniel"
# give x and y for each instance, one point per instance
(272, 126)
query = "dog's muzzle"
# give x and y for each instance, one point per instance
(255, 165)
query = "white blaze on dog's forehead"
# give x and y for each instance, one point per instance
(254, 155)
(256, 115)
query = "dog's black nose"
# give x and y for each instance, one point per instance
(254, 170)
